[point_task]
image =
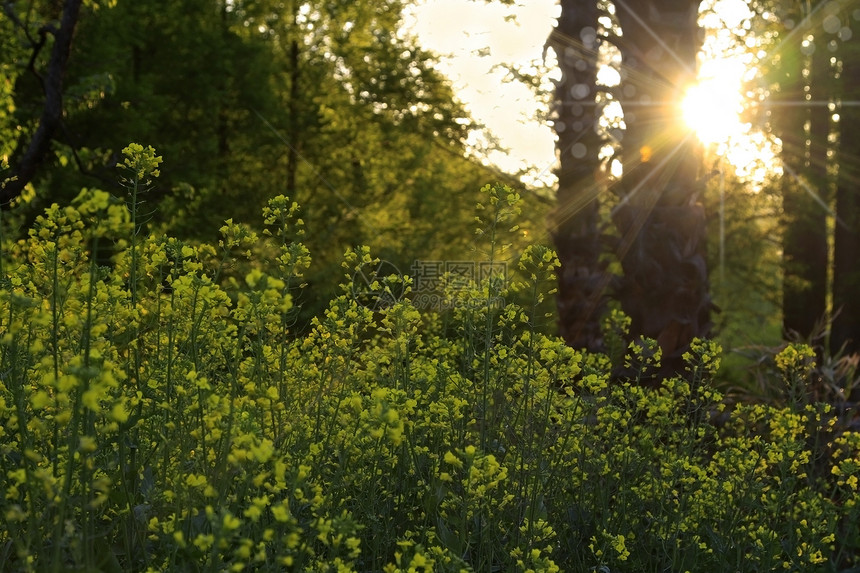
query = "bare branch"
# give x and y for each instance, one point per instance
(52, 111)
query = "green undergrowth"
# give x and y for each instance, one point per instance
(157, 414)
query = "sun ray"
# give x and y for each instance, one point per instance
(712, 106)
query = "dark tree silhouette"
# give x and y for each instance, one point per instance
(582, 276)
(803, 128)
(846, 273)
(661, 221)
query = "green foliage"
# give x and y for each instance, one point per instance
(170, 421)
(329, 102)
(746, 277)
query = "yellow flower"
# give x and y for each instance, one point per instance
(263, 452)
(281, 512)
(179, 538)
(230, 522)
(194, 480)
(453, 460)
(40, 400)
(141, 162)
(119, 413)
(86, 444)
(253, 513)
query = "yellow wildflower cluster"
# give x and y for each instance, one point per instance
(141, 162)
(158, 413)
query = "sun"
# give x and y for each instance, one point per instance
(712, 107)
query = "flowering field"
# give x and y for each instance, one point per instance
(158, 414)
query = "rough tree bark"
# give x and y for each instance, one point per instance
(804, 157)
(846, 272)
(660, 219)
(31, 157)
(582, 276)
(815, 253)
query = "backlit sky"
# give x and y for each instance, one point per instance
(474, 36)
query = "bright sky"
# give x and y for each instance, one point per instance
(474, 36)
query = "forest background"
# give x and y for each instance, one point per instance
(340, 108)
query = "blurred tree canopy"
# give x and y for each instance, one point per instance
(329, 102)
(332, 103)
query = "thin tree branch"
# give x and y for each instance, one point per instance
(52, 111)
(9, 10)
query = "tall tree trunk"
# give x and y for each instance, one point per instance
(804, 159)
(661, 221)
(846, 271)
(817, 255)
(582, 277)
